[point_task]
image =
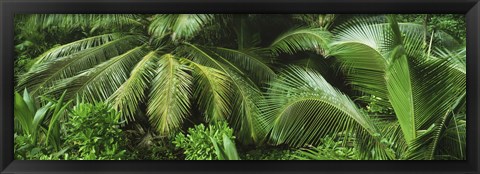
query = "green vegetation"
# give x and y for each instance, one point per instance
(240, 87)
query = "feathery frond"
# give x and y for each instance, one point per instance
(45, 74)
(131, 93)
(300, 105)
(101, 81)
(302, 39)
(179, 26)
(170, 95)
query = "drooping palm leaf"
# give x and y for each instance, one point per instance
(128, 96)
(213, 91)
(245, 92)
(101, 81)
(43, 75)
(301, 105)
(77, 46)
(302, 39)
(169, 102)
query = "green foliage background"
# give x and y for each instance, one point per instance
(251, 87)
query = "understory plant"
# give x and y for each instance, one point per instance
(198, 143)
(93, 132)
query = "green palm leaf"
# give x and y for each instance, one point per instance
(213, 92)
(245, 93)
(300, 106)
(43, 75)
(170, 95)
(302, 39)
(77, 46)
(180, 26)
(250, 61)
(131, 93)
(101, 81)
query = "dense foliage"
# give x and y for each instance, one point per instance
(230, 87)
(201, 142)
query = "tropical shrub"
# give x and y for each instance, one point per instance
(93, 132)
(329, 149)
(198, 143)
(38, 121)
(25, 149)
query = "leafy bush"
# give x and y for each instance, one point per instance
(330, 149)
(24, 149)
(93, 132)
(36, 125)
(197, 144)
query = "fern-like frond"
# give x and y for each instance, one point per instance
(101, 81)
(214, 91)
(42, 76)
(169, 102)
(131, 93)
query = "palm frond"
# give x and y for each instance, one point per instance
(441, 90)
(245, 92)
(364, 68)
(101, 81)
(302, 39)
(213, 92)
(252, 63)
(400, 92)
(246, 113)
(43, 75)
(169, 102)
(301, 106)
(131, 93)
(76, 46)
(180, 26)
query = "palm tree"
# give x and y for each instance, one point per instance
(168, 63)
(426, 90)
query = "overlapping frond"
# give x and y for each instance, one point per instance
(244, 93)
(77, 46)
(214, 91)
(179, 26)
(301, 106)
(131, 93)
(169, 102)
(101, 81)
(43, 75)
(252, 63)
